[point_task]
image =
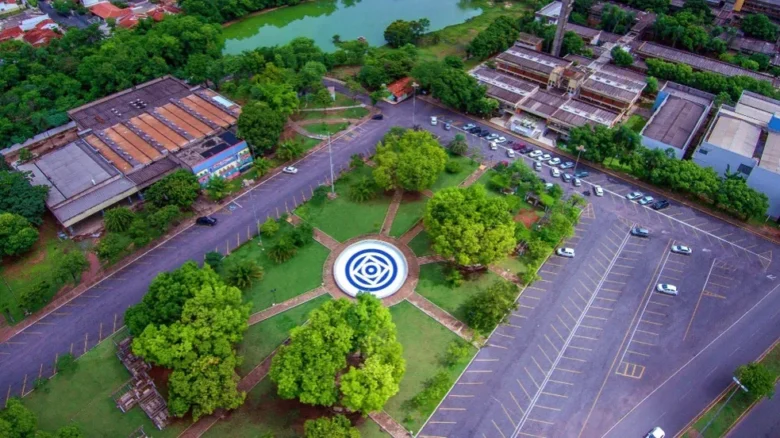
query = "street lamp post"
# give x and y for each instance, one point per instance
(415, 86)
(740, 386)
(580, 150)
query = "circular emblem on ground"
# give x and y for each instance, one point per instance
(372, 266)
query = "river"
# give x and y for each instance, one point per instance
(350, 19)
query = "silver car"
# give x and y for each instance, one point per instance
(567, 165)
(565, 252)
(646, 200)
(633, 196)
(555, 161)
(682, 249)
(668, 289)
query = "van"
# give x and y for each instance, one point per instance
(434, 121)
(510, 153)
(493, 146)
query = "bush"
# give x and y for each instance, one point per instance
(118, 219)
(457, 350)
(112, 246)
(216, 188)
(486, 309)
(282, 250)
(180, 188)
(66, 364)
(37, 296)
(244, 273)
(334, 427)
(356, 161)
(17, 236)
(453, 167)
(70, 265)
(319, 196)
(41, 384)
(458, 145)
(362, 190)
(434, 390)
(453, 276)
(269, 228)
(213, 259)
(302, 235)
(261, 165)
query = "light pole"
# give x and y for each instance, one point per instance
(415, 86)
(580, 150)
(739, 386)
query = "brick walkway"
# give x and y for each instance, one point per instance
(325, 240)
(411, 234)
(391, 212)
(428, 193)
(286, 305)
(441, 316)
(475, 176)
(505, 274)
(389, 425)
(425, 260)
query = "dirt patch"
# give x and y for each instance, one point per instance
(527, 217)
(160, 377)
(412, 197)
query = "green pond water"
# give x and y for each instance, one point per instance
(320, 20)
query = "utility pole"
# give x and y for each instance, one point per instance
(563, 18)
(736, 390)
(415, 85)
(580, 150)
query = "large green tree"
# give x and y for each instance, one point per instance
(16, 421)
(487, 308)
(401, 32)
(411, 162)
(758, 379)
(20, 197)
(338, 426)
(454, 87)
(180, 188)
(260, 125)
(118, 219)
(17, 236)
(467, 225)
(759, 26)
(313, 367)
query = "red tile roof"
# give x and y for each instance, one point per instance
(40, 37)
(400, 87)
(11, 33)
(128, 22)
(107, 10)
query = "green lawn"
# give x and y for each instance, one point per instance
(349, 113)
(307, 142)
(84, 398)
(468, 166)
(409, 213)
(485, 180)
(323, 129)
(421, 244)
(369, 429)
(20, 274)
(512, 264)
(261, 339)
(298, 275)
(636, 123)
(433, 287)
(343, 219)
(425, 342)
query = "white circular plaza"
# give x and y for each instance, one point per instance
(372, 266)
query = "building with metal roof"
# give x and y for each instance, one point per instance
(678, 113)
(538, 67)
(576, 113)
(770, 8)
(612, 87)
(508, 90)
(745, 139)
(750, 45)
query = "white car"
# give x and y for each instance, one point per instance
(567, 165)
(682, 249)
(548, 186)
(555, 173)
(510, 153)
(668, 289)
(646, 200)
(657, 432)
(493, 146)
(536, 153)
(576, 182)
(434, 121)
(538, 166)
(555, 161)
(546, 157)
(565, 252)
(598, 190)
(491, 137)
(468, 126)
(290, 169)
(500, 140)
(633, 196)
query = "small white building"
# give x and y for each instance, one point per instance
(550, 13)
(7, 6)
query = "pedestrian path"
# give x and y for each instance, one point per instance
(391, 212)
(286, 305)
(476, 175)
(411, 234)
(334, 108)
(426, 260)
(441, 316)
(389, 425)
(505, 274)
(325, 240)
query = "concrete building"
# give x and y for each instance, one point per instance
(528, 41)
(589, 35)
(576, 113)
(750, 46)
(678, 113)
(770, 8)
(745, 139)
(550, 13)
(508, 90)
(126, 142)
(613, 88)
(223, 156)
(537, 67)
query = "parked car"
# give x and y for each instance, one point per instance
(519, 147)
(581, 174)
(660, 205)
(493, 146)
(567, 165)
(536, 153)
(377, 117)
(484, 133)
(208, 221)
(290, 169)
(555, 173)
(657, 432)
(491, 137)
(546, 157)
(447, 126)
(668, 289)
(537, 166)
(598, 190)
(633, 196)
(434, 120)
(565, 252)
(577, 182)
(500, 140)
(469, 126)
(566, 177)
(681, 249)
(646, 200)
(555, 161)
(510, 153)
(548, 186)
(474, 130)
(640, 232)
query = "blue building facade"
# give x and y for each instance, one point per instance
(226, 157)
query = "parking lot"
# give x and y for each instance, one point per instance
(592, 339)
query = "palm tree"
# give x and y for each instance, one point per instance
(244, 273)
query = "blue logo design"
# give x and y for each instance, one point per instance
(371, 270)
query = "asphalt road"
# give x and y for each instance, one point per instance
(761, 422)
(594, 351)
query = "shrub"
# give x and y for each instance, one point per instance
(334, 427)
(319, 196)
(486, 309)
(457, 350)
(118, 219)
(453, 167)
(66, 364)
(453, 277)
(213, 259)
(362, 190)
(41, 384)
(302, 235)
(282, 250)
(216, 188)
(269, 228)
(434, 390)
(458, 145)
(112, 246)
(356, 161)
(261, 165)
(244, 273)
(37, 296)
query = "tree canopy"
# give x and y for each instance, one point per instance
(412, 161)
(180, 189)
(758, 379)
(467, 225)
(19, 197)
(260, 125)
(454, 87)
(487, 308)
(759, 26)
(347, 355)
(17, 236)
(338, 426)
(16, 421)
(497, 37)
(620, 57)
(402, 32)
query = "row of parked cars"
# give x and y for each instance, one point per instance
(643, 199)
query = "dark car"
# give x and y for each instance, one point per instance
(377, 117)
(206, 220)
(660, 205)
(581, 173)
(475, 130)
(484, 133)
(640, 232)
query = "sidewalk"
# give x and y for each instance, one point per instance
(286, 305)
(441, 316)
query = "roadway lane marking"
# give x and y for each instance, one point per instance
(561, 320)
(498, 429)
(703, 289)
(523, 388)
(580, 348)
(571, 337)
(522, 412)
(505, 411)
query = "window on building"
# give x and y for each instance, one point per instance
(704, 151)
(745, 170)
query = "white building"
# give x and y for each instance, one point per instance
(550, 13)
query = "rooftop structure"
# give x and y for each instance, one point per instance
(750, 45)
(579, 59)
(770, 8)
(589, 35)
(529, 41)
(506, 89)
(652, 50)
(36, 30)
(126, 142)
(400, 89)
(575, 113)
(543, 103)
(550, 13)
(678, 114)
(613, 87)
(531, 65)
